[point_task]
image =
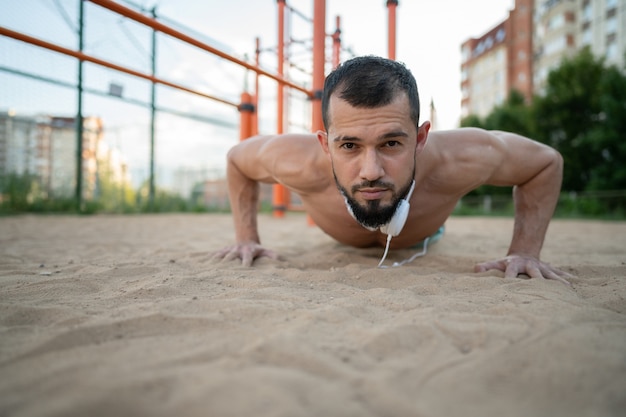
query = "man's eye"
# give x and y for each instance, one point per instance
(392, 143)
(348, 146)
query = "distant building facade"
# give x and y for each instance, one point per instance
(45, 147)
(520, 52)
(555, 36)
(497, 62)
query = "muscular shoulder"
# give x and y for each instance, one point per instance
(493, 157)
(466, 151)
(459, 143)
(294, 160)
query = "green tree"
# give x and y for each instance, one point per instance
(608, 136)
(514, 115)
(472, 120)
(569, 114)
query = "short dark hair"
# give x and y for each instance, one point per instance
(370, 81)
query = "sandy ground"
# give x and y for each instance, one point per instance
(129, 316)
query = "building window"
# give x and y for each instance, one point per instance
(500, 56)
(587, 12)
(610, 4)
(610, 39)
(556, 45)
(611, 51)
(556, 22)
(586, 37)
(611, 25)
(500, 35)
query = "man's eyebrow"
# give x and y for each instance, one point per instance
(347, 139)
(384, 136)
(394, 134)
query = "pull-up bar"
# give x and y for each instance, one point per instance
(156, 25)
(84, 57)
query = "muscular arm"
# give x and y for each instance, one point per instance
(244, 171)
(535, 171)
(247, 166)
(269, 159)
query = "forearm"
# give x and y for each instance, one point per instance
(243, 193)
(535, 202)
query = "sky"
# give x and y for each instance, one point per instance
(429, 36)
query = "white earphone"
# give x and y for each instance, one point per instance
(395, 225)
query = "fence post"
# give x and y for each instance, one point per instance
(79, 111)
(391, 41)
(246, 112)
(151, 185)
(279, 193)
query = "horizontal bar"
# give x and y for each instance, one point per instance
(84, 57)
(156, 25)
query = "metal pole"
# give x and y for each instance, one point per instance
(151, 189)
(337, 43)
(391, 41)
(279, 202)
(319, 61)
(255, 98)
(79, 112)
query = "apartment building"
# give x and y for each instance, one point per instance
(555, 28)
(602, 27)
(497, 62)
(45, 147)
(532, 41)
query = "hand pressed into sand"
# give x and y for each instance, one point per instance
(514, 265)
(246, 251)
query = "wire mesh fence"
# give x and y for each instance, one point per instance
(131, 134)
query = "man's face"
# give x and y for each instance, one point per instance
(372, 152)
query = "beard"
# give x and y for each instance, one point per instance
(373, 215)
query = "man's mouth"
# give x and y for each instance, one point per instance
(372, 193)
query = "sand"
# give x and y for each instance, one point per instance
(130, 316)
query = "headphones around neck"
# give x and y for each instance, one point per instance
(395, 225)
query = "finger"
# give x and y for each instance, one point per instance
(512, 270)
(533, 271)
(549, 274)
(563, 274)
(232, 254)
(270, 254)
(219, 253)
(247, 258)
(486, 266)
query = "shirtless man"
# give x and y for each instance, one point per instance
(352, 177)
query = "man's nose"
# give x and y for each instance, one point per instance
(371, 167)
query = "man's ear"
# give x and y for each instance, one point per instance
(422, 136)
(322, 137)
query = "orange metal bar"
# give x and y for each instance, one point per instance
(255, 98)
(337, 43)
(391, 7)
(155, 24)
(279, 193)
(319, 64)
(281, 62)
(246, 111)
(83, 57)
(319, 60)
